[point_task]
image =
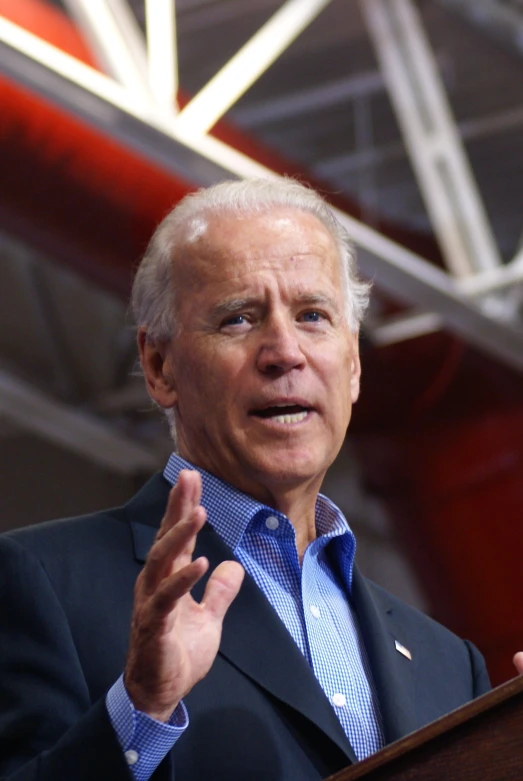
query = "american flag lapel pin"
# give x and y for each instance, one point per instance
(402, 650)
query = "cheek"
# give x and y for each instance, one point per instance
(336, 371)
(214, 381)
(337, 380)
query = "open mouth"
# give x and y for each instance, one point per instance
(283, 413)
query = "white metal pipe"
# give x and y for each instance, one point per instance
(81, 433)
(162, 51)
(111, 29)
(91, 80)
(409, 326)
(493, 280)
(431, 136)
(247, 65)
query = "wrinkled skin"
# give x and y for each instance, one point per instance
(261, 324)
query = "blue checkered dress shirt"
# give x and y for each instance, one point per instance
(312, 600)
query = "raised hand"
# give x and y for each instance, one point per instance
(174, 640)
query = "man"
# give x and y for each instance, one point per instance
(248, 308)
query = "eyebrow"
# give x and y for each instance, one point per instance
(318, 299)
(233, 305)
(239, 304)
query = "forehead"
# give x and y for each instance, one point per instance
(228, 245)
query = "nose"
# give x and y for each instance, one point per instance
(280, 349)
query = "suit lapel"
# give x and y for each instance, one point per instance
(393, 671)
(256, 642)
(254, 639)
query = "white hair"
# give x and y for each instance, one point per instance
(153, 298)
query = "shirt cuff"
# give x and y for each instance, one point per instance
(145, 741)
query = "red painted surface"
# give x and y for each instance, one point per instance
(439, 428)
(442, 445)
(76, 193)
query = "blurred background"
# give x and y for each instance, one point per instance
(408, 117)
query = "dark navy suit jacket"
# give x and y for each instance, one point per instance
(66, 591)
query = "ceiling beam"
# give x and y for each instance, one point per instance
(431, 138)
(402, 327)
(100, 101)
(162, 50)
(247, 65)
(502, 19)
(316, 99)
(32, 410)
(295, 104)
(413, 280)
(469, 130)
(113, 33)
(205, 159)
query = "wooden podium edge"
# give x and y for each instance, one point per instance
(425, 735)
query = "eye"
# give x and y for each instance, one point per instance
(235, 324)
(234, 320)
(313, 316)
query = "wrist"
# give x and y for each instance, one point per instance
(159, 711)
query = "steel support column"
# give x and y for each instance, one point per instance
(433, 143)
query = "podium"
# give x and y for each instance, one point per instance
(482, 741)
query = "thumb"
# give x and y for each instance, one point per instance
(518, 662)
(222, 587)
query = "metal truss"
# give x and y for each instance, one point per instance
(469, 129)
(503, 19)
(81, 433)
(430, 134)
(133, 101)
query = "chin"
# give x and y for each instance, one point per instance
(286, 467)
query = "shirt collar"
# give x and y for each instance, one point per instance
(229, 511)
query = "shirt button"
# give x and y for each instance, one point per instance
(131, 757)
(315, 611)
(272, 522)
(338, 700)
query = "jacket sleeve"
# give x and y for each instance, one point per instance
(481, 680)
(49, 728)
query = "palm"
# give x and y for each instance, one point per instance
(193, 639)
(174, 639)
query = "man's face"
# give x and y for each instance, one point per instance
(264, 369)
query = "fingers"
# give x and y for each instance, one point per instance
(169, 574)
(183, 498)
(222, 587)
(518, 662)
(176, 537)
(173, 550)
(176, 586)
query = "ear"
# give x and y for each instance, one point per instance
(156, 363)
(355, 368)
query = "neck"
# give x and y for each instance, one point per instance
(299, 506)
(296, 500)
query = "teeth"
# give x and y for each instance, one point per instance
(295, 418)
